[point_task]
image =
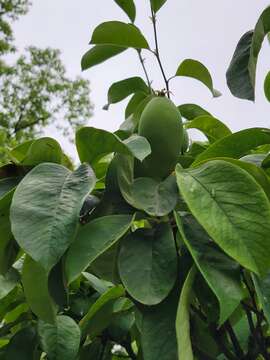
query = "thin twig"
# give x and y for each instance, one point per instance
(156, 52)
(142, 61)
(258, 331)
(238, 350)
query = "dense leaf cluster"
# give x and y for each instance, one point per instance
(155, 247)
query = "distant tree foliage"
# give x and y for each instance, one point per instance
(35, 89)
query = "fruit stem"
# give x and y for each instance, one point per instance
(156, 52)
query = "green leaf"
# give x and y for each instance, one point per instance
(93, 144)
(134, 102)
(236, 145)
(128, 7)
(238, 75)
(22, 345)
(119, 34)
(100, 313)
(157, 4)
(238, 211)
(35, 284)
(262, 287)
(19, 152)
(43, 150)
(60, 340)
(212, 128)
(122, 89)
(101, 286)
(183, 319)
(196, 70)
(158, 335)
(267, 86)
(7, 184)
(98, 54)
(8, 282)
(45, 210)
(153, 197)
(92, 240)
(8, 247)
(148, 264)
(241, 74)
(258, 174)
(220, 272)
(191, 111)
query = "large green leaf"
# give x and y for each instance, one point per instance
(43, 150)
(158, 335)
(8, 282)
(154, 197)
(92, 240)
(100, 313)
(157, 4)
(122, 89)
(22, 345)
(236, 145)
(254, 170)
(8, 246)
(128, 7)
(98, 54)
(148, 264)
(212, 128)
(238, 210)
(60, 340)
(220, 272)
(119, 34)
(35, 284)
(93, 144)
(183, 319)
(19, 152)
(191, 111)
(196, 70)
(241, 75)
(262, 287)
(45, 210)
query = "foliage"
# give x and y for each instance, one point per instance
(10, 10)
(36, 91)
(155, 247)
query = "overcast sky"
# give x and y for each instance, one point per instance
(204, 30)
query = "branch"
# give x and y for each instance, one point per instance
(238, 350)
(156, 52)
(257, 331)
(26, 125)
(144, 69)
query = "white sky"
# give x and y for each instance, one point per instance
(204, 30)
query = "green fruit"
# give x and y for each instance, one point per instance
(161, 125)
(185, 144)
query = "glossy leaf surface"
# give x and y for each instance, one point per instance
(238, 211)
(94, 239)
(119, 34)
(236, 145)
(98, 54)
(60, 340)
(148, 264)
(196, 70)
(45, 210)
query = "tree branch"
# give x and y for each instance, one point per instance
(156, 52)
(144, 69)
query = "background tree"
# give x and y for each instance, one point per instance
(35, 89)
